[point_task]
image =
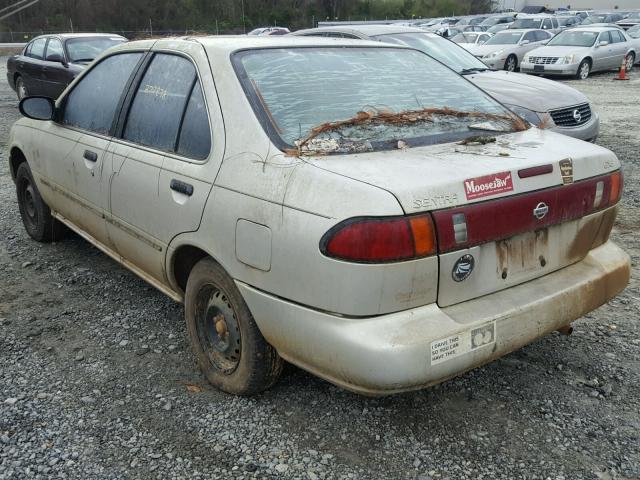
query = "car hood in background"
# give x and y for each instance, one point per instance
(558, 51)
(481, 50)
(534, 93)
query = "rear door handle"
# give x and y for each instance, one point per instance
(91, 156)
(181, 187)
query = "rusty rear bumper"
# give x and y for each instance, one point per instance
(419, 347)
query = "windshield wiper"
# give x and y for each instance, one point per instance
(468, 71)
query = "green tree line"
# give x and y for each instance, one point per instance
(220, 16)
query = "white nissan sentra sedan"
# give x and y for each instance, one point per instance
(355, 208)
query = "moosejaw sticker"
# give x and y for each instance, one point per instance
(488, 185)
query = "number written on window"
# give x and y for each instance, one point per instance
(169, 111)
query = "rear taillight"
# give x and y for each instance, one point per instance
(379, 240)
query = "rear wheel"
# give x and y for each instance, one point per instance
(36, 215)
(511, 63)
(231, 351)
(584, 69)
(21, 88)
(630, 60)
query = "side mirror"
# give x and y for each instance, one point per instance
(603, 43)
(37, 108)
(55, 57)
(524, 42)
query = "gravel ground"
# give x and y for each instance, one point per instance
(97, 380)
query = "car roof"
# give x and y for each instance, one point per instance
(368, 30)
(65, 36)
(227, 44)
(595, 28)
(521, 30)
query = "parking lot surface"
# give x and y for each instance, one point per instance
(97, 379)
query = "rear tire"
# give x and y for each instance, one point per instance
(231, 351)
(584, 69)
(511, 64)
(36, 215)
(21, 88)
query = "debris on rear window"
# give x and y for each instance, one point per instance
(343, 139)
(480, 140)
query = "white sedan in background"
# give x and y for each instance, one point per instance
(582, 50)
(470, 39)
(505, 50)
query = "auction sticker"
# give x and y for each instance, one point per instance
(463, 342)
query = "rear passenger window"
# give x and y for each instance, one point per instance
(157, 109)
(37, 48)
(195, 134)
(92, 104)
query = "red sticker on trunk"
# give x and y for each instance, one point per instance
(488, 185)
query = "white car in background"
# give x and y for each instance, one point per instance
(324, 201)
(505, 50)
(470, 39)
(582, 50)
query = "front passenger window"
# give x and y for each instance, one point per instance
(92, 103)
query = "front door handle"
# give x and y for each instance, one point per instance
(91, 156)
(181, 187)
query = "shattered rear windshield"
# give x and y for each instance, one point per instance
(329, 100)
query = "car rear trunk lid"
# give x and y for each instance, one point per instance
(506, 212)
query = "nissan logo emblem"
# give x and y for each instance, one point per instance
(463, 268)
(541, 210)
(577, 116)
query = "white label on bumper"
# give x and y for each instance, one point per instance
(463, 342)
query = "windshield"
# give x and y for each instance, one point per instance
(453, 56)
(634, 32)
(363, 99)
(504, 38)
(573, 38)
(594, 19)
(527, 23)
(465, 38)
(86, 49)
(491, 21)
(566, 21)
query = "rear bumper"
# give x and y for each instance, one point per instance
(589, 131)
(419, 347)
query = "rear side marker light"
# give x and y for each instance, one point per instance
(381, 239)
